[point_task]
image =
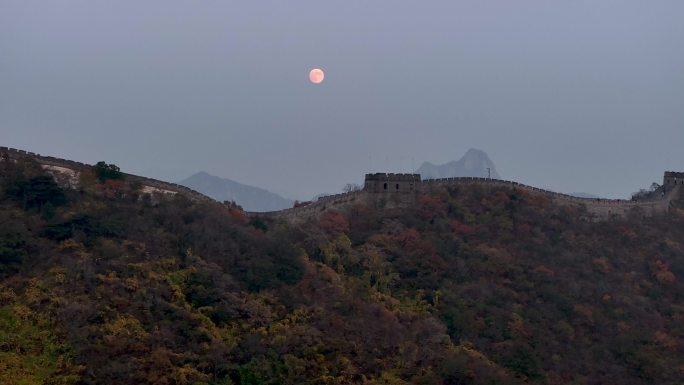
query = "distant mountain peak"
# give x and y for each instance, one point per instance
(475, 163)
(474, 151)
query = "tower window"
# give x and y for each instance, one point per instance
(385, 186)
(397, 186)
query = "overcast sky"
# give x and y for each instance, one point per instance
(582, 95)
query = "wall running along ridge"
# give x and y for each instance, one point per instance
(49, 162)
(599, 208)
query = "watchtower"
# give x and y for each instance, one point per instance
(672, 179)
(391, 183)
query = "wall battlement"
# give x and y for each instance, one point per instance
(672, 178)
(381, 176)
(13, 153)
(391, 183)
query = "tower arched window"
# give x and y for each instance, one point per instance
(384, 186)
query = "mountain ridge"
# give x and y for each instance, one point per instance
(468, 285)
(473, 163)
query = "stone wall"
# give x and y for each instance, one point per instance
(316, 208)
(672, 178)
(391, 183)
(600, 208)
(52, 162)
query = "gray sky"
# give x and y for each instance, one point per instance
(583, 95)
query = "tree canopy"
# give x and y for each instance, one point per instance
(471, 285)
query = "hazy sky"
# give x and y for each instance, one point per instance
(582, 95)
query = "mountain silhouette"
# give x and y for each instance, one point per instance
(249, 197)
(474, 163)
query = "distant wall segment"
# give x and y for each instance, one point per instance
(601, 208)
(154, 184)
(316, 208)
(386, 185)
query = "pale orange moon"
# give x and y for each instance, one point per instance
(316, 76)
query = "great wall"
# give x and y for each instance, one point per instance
(401, 189)
(57, 166)
(388, 190)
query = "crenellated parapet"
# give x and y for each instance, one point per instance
(391, 183)
(316, 208)
(673, 178)
(53, 165)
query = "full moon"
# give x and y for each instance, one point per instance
(316, 75)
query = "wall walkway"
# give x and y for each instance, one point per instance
(13, 153)
(599, 208)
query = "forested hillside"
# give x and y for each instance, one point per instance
(471, 285)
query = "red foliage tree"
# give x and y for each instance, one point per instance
(430, 207)
(334, 223)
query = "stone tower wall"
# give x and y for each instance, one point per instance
(672, 178)
(392, 183)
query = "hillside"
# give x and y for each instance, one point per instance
(102, 283)
(474, 163)
(249, 197)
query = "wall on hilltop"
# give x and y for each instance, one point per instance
(600, 208)
(391, 183)
(78, 167)
(313, 210)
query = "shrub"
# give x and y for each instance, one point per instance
(82, 223)
(105, 171)
(37, 192)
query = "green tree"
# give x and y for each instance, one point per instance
(12, 250)
(106, 171)
(37, 192)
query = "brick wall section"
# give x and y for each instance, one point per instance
(13, 153)
(337, 202)
(599, 208)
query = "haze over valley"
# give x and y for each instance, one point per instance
(568, 96)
